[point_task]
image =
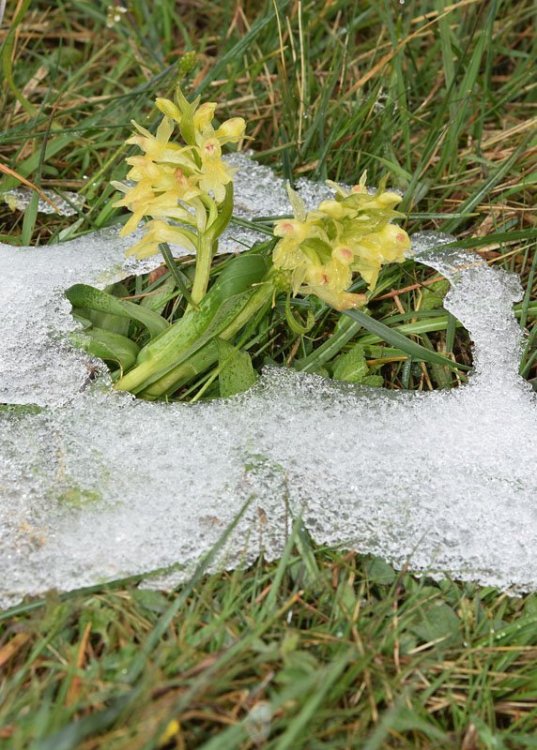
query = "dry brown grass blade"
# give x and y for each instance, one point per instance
(12, 647)
(75, 686)
(20, 178)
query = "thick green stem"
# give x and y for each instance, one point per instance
(163, 350)
(219, 216)
(133, 381)
(204, 259)
(261, 296)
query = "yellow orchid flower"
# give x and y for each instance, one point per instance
(329, 283)
(333, 209)
(388, 245)
(321, 249)
(394, 243)
(152, 145)
(343, 254)
(289, 253)
(186, 182)
(157, 148)
(388, 199)
(169, 109)
(368, 269)
(295, 230)
(160, 192)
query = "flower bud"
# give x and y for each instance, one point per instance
(169, 109)
(204, 115)
(231, 130)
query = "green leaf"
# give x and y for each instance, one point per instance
(373, 381)
(107, 345)
(351, 367)
(237, 373)
(171, 359)
(83, 295)
(241, 273)
(108, 322)
(378, 571)
(438, 623)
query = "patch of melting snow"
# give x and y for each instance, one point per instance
(66, 204)
(96, 485)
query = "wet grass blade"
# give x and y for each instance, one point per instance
(398, 340)
(176, 274)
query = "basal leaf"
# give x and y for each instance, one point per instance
(237, 373)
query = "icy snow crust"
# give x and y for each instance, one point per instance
(97, 486)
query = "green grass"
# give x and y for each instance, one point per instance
(440, 97)
(346, 652)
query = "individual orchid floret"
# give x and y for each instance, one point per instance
(215, 174)
(159, 232)
(231, 131)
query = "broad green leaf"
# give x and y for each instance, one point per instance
(108, 321)
(438, 623)
(351, 366)
(237, 373)
(373, 381)
(107, 345)
(241, 273)
(83, 295)
(171, 359)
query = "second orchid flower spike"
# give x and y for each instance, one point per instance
(320, 251)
